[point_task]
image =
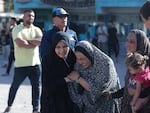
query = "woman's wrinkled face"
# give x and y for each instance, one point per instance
(82, 59)
(62, 49)
(131, 43)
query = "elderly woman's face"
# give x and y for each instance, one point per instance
(131, 43)
(82, 59)
(62, 49)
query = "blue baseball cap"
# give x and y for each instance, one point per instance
(60, 12)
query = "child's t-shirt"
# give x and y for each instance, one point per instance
(144, 77)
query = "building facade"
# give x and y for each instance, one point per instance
(43, 11)
(124, 13)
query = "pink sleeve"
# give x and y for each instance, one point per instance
(139, 78)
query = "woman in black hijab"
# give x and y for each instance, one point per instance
(56, 65)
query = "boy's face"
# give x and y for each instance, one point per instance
(146, 22)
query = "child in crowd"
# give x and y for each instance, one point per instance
(139, 79)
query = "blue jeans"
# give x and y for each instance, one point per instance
(33, 73)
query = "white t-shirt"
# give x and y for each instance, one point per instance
(102, 33)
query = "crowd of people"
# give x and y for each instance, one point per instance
(77, 76)
(106, 39)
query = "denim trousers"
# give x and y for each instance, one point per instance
(20, 74)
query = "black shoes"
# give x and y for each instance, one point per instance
(7, 110)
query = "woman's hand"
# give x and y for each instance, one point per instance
(74, 75)
(67, 79)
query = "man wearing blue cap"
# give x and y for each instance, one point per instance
(60, 20)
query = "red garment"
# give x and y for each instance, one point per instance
(144, 77)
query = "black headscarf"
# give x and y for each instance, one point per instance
(58, 37)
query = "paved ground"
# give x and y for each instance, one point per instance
(22, 103)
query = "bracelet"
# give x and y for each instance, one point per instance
(77, 80)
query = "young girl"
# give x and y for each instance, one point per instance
(139, 79)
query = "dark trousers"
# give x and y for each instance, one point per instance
(33, 73)
(113, 48)
(10, 61)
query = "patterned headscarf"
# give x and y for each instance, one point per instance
(86, 50)
(101, 77)
(60, 36)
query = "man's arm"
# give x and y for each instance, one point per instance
(36, 41)
(24, 43)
